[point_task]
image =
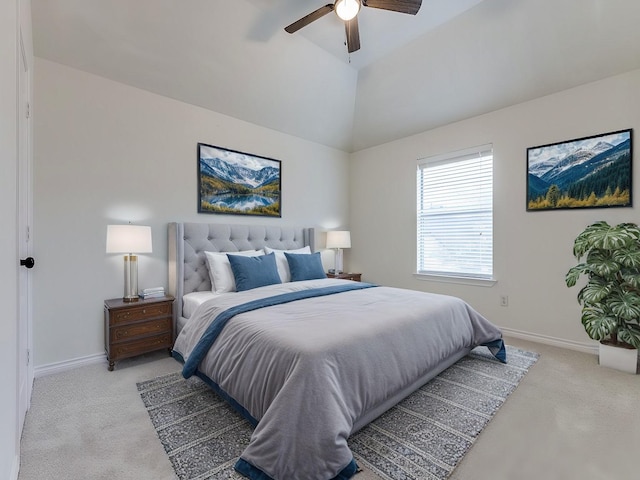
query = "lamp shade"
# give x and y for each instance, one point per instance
(339, 239)
(128, 239)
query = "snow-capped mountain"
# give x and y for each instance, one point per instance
(215, 167)
(541, 167)
(570, 161)
(601, 147)
(562, 159)
(581, 163)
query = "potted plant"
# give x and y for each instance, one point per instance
(611, 298)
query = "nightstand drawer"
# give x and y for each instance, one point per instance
(142, 312)
(356, 277)
(136, 347)
(133, 330)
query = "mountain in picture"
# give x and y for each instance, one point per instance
(236, 174)
(591, 172)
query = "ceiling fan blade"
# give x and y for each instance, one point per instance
(307, 19)
(353, 34)
(403, 6)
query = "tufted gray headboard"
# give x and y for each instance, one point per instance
(188, 241)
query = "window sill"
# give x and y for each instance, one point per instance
(477, 282)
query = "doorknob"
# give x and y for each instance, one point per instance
(28, 262)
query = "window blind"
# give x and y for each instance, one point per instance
(455, 214)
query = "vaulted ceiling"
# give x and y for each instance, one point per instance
(453, 60)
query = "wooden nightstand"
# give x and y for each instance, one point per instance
(356, 277)
(134, 328)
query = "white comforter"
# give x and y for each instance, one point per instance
(308, 370)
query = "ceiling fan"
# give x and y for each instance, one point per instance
(348, 10)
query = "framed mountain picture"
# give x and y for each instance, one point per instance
(237, 183)
(589, 172)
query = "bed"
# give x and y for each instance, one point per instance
(311, 360)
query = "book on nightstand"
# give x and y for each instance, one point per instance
(155, 292)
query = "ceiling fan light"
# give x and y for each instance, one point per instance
(347, 9)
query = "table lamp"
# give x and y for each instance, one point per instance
(129, 239)
(338, 239)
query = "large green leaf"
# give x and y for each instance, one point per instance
(631, 229)
(585, 241)
(595, 291)
(574, 274)
(602, 263)
(625, 306)
(616, 237)
(597, 324)
(630, 334)
(628, 257)
(632, 279)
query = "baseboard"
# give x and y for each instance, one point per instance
(65, 365)
(591, 348)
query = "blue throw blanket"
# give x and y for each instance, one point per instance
(497, 349)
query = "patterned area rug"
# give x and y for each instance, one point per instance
(423, 437)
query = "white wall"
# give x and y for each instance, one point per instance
(532, 250)
(110, 153)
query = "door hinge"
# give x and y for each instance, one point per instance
(28, 357)
(28, 112)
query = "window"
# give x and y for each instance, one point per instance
(455, 214)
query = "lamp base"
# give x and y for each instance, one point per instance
(130, 278)
(337, 262)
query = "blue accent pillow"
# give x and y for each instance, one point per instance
(254, 272)
(305, 266)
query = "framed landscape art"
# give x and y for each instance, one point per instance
(588, 172)
(237, 183)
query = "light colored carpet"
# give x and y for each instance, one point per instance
(568, 419)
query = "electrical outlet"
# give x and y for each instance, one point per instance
(504, 301)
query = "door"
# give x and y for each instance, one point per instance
(25, 214)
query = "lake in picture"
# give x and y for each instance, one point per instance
(240, 202)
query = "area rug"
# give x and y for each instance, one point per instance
(423, 437)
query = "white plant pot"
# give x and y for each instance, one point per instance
(620, 358)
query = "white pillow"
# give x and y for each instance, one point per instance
(281, 260)
(222, 279)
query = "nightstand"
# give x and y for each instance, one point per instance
(356, 277)
(134, 328)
